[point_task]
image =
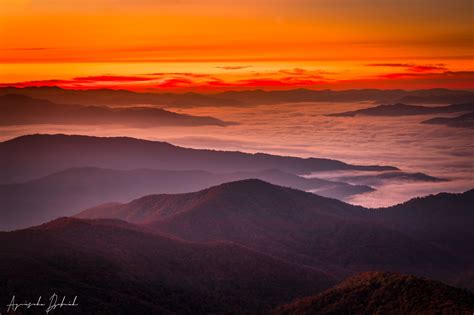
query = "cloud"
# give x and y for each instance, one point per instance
(282, 79)
(294, 71)
(429, 75)
(410, 81)
(152, 81)
(24, 49)
(175, 83)
(232, 67)
(412, 67)
(284, 82)
(179, 74)
(303, 73)
(111, 78)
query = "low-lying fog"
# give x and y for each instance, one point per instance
(303, 130)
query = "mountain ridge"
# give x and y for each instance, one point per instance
(462, 121)
(400, 109)
(32, 156)
(239, 98)
(23, 110)
(99, 260)
(384, 293)
(296, 226)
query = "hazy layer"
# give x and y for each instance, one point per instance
(303, 130)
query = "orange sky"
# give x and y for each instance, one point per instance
(208, 45)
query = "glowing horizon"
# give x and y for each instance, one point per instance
(210, 45)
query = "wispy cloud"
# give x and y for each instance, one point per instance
(282, 79)
(233, 67)
(24, 48)
(412, 67)
(429, 75)
(111, 78)
(179, 74)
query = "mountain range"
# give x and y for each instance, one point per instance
(380, 178)
(114, 267)
(239, 98)
(23, 110)
(400, 109)
(429, 96)
(462, 121)
(33, 156)
(314, 231)
(248, 247)
(117, 97)
(170, 230)
(66, 192)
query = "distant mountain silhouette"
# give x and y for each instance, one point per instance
(462, 121)
(325, 188)
(29, 157)
(239, 98)
(430, 96)
(438, 99)
(117, 268)
(303, 228)
(118, 97)
(400, 109)
(384, 293)
(23, 110)
(437, 96)
(67, 192)
(379, 179)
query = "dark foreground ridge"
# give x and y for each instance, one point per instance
(118, 268)
(243, 247)
(384, 293)
(419, 237)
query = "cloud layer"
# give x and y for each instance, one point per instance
(406, 76)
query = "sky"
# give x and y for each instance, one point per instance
(212, 45)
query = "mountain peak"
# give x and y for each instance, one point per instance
(232, 203)
(251, 184)
(382, 293)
